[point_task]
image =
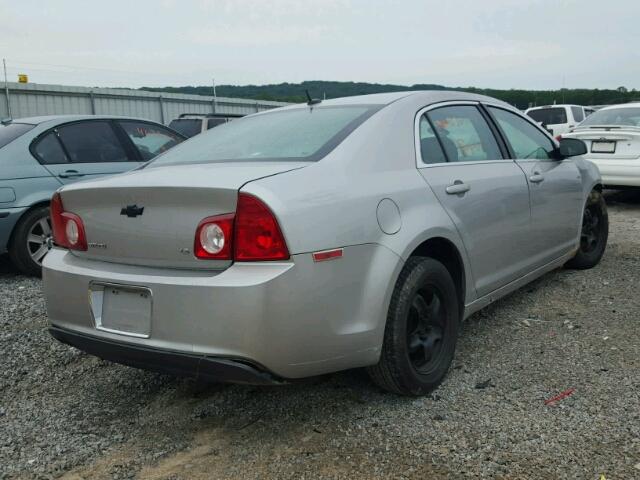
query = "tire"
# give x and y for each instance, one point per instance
(26, 255)
(424, 305)
(593, 235)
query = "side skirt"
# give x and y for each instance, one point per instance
(482, 302)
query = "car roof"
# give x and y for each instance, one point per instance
(559, 105)
(72, 118)
(420, 97)
(621, 105)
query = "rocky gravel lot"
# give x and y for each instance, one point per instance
(66, 414)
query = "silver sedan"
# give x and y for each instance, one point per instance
(355, 232)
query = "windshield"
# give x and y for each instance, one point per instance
(614, 116)
(8, 133)
(297, 134)
(189, 127)
(549, 116)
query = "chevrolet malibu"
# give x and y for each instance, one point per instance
(347, 233)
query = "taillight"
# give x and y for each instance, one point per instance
(214, 237)
(558, 137)
(251, 235)
(68, 229)
(257, 233)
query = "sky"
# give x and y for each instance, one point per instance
(529, 44)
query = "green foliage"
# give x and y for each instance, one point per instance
(295, 92)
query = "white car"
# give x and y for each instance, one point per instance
(612, 135)
(559, 119)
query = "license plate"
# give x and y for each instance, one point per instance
(603, 147)
(122, 309)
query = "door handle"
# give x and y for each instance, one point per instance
(71, 174)
(457, 188)
(537, 177)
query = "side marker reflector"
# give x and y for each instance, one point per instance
(327, 255)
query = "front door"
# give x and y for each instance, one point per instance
(485, 194)
(555, 187)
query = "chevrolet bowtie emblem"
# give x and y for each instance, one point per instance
(132, 211)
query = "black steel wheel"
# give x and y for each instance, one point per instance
(421, 331)
(594, 233)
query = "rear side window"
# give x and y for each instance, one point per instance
(214, 122)
(464, 134)
(298, 134)
(49, 150)
(150, 140)
(8, 133)
(549, 116)
(526, 140)
(578, 115)
(92, 142)
(188, 127)
(430, 148)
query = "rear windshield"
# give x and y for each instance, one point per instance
(549, 116)
(301, 134)
(189, 127)
(614, 116)
(8, 133)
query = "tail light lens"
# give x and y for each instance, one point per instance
(214, 237)
(251, 234)
(68, 229)
(258, 235)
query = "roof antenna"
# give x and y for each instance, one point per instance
(312, 101)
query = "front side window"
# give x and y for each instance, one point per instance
(525, 139)
(299, 134)
(8, 133)
(150, 140)
(49, 150)
(549, 116)
(464, 134)
(92, 142)
(578, 115)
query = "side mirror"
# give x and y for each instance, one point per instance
(571, 147)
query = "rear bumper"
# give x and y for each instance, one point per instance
(199, 367)
(622, 173)
(296, 318)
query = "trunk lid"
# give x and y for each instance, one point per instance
(624, 140)
(149, 217)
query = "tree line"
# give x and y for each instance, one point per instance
(295, 92)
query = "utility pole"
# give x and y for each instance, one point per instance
(6, 87)
(215, 98)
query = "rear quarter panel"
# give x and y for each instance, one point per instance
(333, 203)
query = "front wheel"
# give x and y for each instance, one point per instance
(594, 233)
(422, 330)
(31, 241)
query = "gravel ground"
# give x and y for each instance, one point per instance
(66, 414)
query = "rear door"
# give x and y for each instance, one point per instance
(85, 149)
(484, 193)
(555, 187)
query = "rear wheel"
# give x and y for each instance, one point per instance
(31, 241)
(422, 330)
(594, 233)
